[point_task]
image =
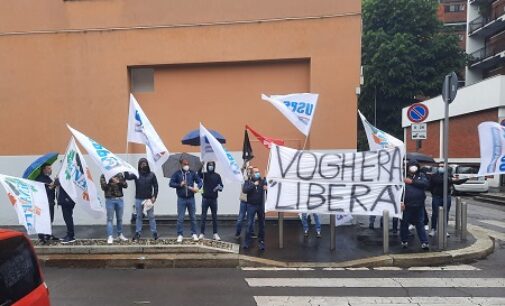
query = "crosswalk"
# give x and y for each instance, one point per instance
(493, 228)
(463, 285)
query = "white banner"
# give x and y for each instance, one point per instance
(492, 148)
(140, 130)
(298, 108)
(29, 198)
(108, 162)
(362, 183)
(378, 139)
(211, 148)
(75, 177)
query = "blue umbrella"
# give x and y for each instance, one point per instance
(34, 169)
(193, 138)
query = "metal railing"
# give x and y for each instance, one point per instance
(488, 51)
(481, 21)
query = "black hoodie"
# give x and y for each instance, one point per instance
(146, 186)
(211, 180)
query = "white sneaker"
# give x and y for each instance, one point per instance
(432, 233)
(195, 237)
(110, 240)
(216, 237)
(448, 235)
(179, 239)
(426, 228)
(122, 237)
(201, 237)
(411, 227)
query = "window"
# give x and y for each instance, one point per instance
(453, 8)
(142, 79)
(19, 272)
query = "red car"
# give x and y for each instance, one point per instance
(21, 280)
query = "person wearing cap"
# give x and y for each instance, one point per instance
(212, 185)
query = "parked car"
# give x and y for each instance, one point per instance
(21, 280)
(474, 184)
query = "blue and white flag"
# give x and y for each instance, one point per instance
(492, 148)
(140, 130)
(298, 108)
(109, 163)
(212, 150)
(378, 139)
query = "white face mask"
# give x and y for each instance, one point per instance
(185, 168)
(413, 169)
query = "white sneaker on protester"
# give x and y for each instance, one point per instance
(122, 237)
(426, 228)
(179, 239)
(432, 233)
(201, 237)
(411, 227)
(110, 240)
(216, 237)
(448, 235)
(195, 237)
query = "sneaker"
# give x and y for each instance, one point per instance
(411, 227)
(195, 237)
(262, 245)
(237, 237)
(395, 232)
(448, 235)
(405, 245)
(68, 240)
(216, 237)
(245, 246)
(254, 236)
(179, 239)
(305, 234)
(432, 233)
(110, 240)
(426, 228)
(155, 235)
(121, 237)
(318, 235)
(201, 237)
(54, 238)
(425, 246)
(43, 241)
(136, 237)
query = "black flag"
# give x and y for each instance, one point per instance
(247, 153)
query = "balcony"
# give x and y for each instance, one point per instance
(489, 56)
(478, 2)
(486, 26)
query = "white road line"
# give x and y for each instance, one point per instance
(276, 269)
(378, 282)
(376, 301)
(357, 269)
(494, 222)
(446, 268)
(334, 269)
(387, 268)
(494, 234)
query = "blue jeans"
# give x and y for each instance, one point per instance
(206, 203)
(241, 216)
(414, 216)
(150, 215)
(182, 204)
(252, 210)
(114, 205)
(437, 202)
(305, 224)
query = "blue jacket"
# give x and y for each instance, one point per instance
(255, 194)
(415, 193)
(191, 179)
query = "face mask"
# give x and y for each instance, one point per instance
(211, 168)
(185, 167)
(441, 170)
(257, 176)
(413, 169)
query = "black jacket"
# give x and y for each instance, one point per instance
(437, 184)
(211, 183)
(63, 198)
(415, 193)
(51, 193)
(255, 193)
(146, 185)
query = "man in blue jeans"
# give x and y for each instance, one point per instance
(243, 203)
(184, 182)
(113, 191)
(212, 184)
(305, 224)
(255, 188)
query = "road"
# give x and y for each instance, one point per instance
(477, 283)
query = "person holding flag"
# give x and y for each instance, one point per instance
(113, 191)
(45, 178)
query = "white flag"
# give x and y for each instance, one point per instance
(378, 139)
(214, 149)
(75, 178)
(492, 148)
(140, 130)
(29, 198)
(109, 163)
(297, 108)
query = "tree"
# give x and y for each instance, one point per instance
(405, 54)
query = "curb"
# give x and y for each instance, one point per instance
(198, 256)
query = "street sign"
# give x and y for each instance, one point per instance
(417, 112)
(419, 131)
(450, 88)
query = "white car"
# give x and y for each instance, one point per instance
(474, 184)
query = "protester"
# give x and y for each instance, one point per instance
(416, 183)
(67, 209)
(242, 214)
(45, 177)
(113, 191)
(437, 195)
(184, 182)
(146, 189)
(305, 224)
(255, 188)
(212, 184)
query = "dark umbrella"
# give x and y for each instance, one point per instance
(35, 168)
(173, 164)
(420, 157)
(193, 138)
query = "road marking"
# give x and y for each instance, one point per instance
(357, 269)
(334, 269)
(276, 269)
(387, 268)
(378, 282)
(375, 300)
(446, 268)
(494, 222)
(494, 234)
